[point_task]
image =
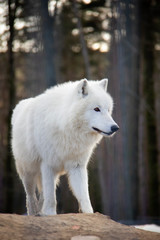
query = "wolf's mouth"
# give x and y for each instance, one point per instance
(99, 131)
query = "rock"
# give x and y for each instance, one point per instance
(68, 227)
(85, 238)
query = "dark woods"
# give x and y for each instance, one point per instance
(41, 46)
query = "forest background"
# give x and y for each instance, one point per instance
(45, 42)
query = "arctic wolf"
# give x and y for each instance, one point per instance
(54, 134)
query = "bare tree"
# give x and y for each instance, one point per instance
(47, 27)
(82, 41)
(9, 170)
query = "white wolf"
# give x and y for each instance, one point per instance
(55, 133)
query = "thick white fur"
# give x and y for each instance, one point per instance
(52, 134)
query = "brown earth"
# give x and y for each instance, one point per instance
(69, 227)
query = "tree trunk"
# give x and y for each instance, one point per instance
(149, 143)
(48, 42)
(9, 166)
(82, 41)
(122, 150)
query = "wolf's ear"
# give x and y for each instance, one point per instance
(104, 83)
(83, 87)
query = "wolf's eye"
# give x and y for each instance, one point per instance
(97, 109)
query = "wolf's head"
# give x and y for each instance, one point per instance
(97, 106)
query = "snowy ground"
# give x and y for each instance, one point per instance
(149, 227)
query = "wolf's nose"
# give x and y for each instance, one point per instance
(114, 128)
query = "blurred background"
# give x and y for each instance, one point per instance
(45, 42)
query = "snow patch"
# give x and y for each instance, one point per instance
(149, 227)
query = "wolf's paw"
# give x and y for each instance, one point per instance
(40, 215)
(86, 209)
(48, 212)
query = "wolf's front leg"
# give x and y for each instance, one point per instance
(78, 179)
(49, 188)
